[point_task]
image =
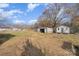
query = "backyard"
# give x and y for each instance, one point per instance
(29, 42)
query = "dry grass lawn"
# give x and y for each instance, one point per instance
(38, 44)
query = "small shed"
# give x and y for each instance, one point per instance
(63, 29)
(45, 30)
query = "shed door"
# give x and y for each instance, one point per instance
(42, 30)
(62, 30)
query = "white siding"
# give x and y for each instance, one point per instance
(58, 30)
(65, 29)
(38, 30)
(49, 30)
(46, 30)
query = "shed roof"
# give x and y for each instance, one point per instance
(62, 26)
(43, 27)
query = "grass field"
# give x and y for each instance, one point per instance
(29, 42)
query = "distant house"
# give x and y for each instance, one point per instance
(9, 28)
(16, 29)
(45, 30)
(4, 28)
(63, 29)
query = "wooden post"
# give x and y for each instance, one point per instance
(73, 49)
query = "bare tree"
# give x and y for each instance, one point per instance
(54, 14)
(51, 16)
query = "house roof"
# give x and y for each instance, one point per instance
(62, 26)
(44, 27)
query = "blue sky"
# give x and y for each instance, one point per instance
(24, 13)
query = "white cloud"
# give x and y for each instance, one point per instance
(15, 11)
(32, 22)
(19, 21)
(10, 13)
(1, 10)
(32, 6)
(4, 5)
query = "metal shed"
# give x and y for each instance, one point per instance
(45, 30)
(63, 29)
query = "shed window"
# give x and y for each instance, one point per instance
(58, 28)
